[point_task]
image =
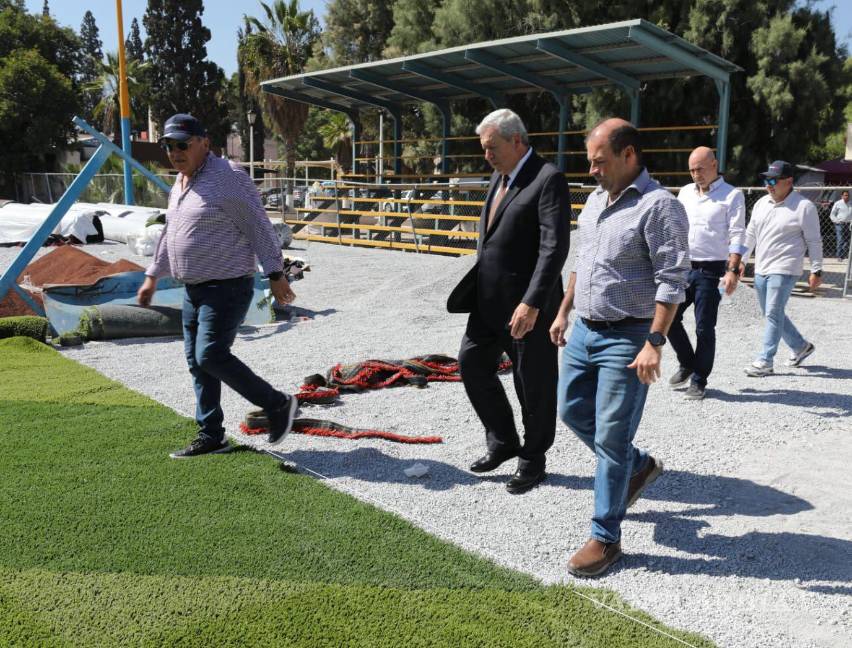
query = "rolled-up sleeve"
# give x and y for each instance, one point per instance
(160, 266)
(736, 224)
(667, 237)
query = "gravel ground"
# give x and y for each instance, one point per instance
(747, 536)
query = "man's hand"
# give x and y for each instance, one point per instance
(731, 279)
(281, 290)
(647, 364)
(814, 281)
(146, 291)
(523, 320)
(558, 328)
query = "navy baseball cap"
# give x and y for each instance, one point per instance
(779, 169)
(181, 127)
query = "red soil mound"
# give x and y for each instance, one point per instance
(70, 265)
(64, 265)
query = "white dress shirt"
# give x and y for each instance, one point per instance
(716, 220)
(841, 212)
(780, 234)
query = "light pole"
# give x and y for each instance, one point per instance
(251, 117)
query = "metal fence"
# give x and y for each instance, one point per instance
(433, 217)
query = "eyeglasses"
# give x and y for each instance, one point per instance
(169, 146)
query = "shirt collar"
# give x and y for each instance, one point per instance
(640, 183)
(200, 168)
(517, 169)
(711, 187)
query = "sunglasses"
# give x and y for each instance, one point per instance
(168, 147)
(770, 182)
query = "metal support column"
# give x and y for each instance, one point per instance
(564, 115)
(635, 106)
(724, 89)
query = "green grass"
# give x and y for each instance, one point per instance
(106, 541)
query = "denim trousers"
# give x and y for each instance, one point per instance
(773, 291)
(212, 313)
(842, 234)
(601, 401)
(702, 292)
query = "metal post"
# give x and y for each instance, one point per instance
(124, 102)
(724, 89)
(635, 106)
(564, 113)
(381, 167)
(250, 115)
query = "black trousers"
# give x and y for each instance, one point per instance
(535, 371)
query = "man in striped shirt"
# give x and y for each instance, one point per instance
(216, 230)
(630, 275)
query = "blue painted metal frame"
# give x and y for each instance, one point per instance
(125, 145)
(497, 100)
(72, 193)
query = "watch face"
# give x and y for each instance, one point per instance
(657, 339)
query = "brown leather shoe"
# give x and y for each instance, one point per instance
(644, 478)
(594, 558)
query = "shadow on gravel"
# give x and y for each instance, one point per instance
(372, 465)
(821, 371)
(791, 398)
(756, 554)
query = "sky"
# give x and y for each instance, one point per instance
(224, 17)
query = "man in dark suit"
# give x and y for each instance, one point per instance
(512, 293)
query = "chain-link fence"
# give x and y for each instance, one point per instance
(438, 217)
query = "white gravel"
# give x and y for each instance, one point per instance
(747, 536)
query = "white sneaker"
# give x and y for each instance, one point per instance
(796, 358)
(759, 368)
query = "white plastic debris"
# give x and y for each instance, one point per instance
(417, 470)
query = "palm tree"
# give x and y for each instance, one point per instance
(107, 84)
(279, 46)
(337, 136)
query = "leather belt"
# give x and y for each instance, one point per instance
(600, 325)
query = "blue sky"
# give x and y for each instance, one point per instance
(223, 17)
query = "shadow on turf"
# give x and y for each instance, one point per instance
(790, 397)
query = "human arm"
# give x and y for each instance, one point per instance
(560, 323)
(647, 362)
(813, 240)
(146, 291)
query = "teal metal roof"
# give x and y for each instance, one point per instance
(566, 62)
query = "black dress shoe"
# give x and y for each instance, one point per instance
(524, 479)
(492, 460)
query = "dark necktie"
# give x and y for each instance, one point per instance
(496, 200)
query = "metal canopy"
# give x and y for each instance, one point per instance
(573, 61)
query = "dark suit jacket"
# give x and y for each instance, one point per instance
(520, 258)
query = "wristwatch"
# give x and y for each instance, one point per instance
(736, 271)
(275, 276)
(656, 338)
(817, 273)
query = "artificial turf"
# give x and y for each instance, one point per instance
(106, 541)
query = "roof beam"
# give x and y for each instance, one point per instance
(387, 84)
(496, 98)
(393, 108)
(311, 101)
(522, 74)
(652, 42)
(561, 52)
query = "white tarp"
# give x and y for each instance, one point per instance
(18, 222)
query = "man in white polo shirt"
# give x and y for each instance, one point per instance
(716, 212)
(784, 226)
(841, 216)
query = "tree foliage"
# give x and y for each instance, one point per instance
(133, 48)
(278, 46)
(91, 59)
(788, 101)
(180, 77)
(38, 89)
(107, 111)
(356, 31)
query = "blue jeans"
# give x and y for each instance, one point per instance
(841, 234)
(212, 312)
(601, 400)
(703, 292)
(773, 291)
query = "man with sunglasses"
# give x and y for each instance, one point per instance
(784, 226)
(216, 230)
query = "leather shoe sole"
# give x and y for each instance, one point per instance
(491, 461)
(521, 483)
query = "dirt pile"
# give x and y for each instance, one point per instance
(64, 265)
